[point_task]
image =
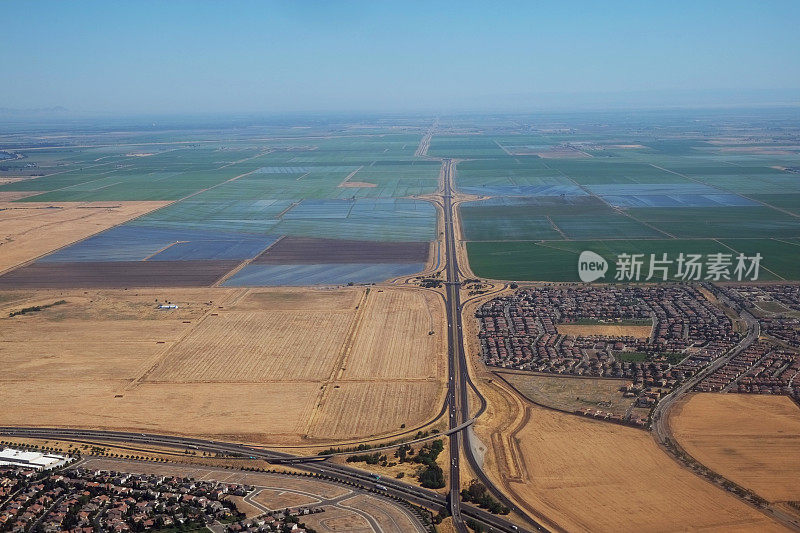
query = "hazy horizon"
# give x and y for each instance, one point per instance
(245, 57)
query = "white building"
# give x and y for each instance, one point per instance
(35, 460)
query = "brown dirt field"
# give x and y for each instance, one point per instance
(30, 230)
(570, 393)
(10, 196)
(446, 526)
(610, 330)
(254, 412)
(226, 364)
(117, 274)
(750, 439)
(620, 477)
(280, 499)
(307, 250)
(242, 506)
(355, 409)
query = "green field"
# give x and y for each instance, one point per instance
(667, 182)
(558, 260)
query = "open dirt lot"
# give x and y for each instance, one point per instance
(288, 366)
(609, 330)
(281, 499)
(586, 475)
(750, 439)
(570, 393)
(33, 229)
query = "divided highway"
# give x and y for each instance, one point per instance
(457, 408)
(459, 380)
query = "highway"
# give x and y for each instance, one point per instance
(459, 381)
(340, 473)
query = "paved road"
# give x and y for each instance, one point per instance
(661, 429)
(340, 473)
(663, 433)
(459, 381)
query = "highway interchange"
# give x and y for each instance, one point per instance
(457, 407)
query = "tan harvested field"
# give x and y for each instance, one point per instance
(242, 506)
(274, 346)
(609, 330)
(389, 517)
(10, 196)
(403, 355)
(29, 230)
(255, 365)
(293, 299)
(586, 475)
(351, 408)
(750, 439)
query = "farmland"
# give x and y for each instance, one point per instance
(219, 196)
(622, 479)
(30, 230)
(277, 366)
(611, 187)
(752, 440)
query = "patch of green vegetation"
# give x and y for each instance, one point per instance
(558, 260)
(478, 494)
(432, 476)
(632, 357)
(369, 458)
(35, 308)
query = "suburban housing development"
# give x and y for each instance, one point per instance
(385, 267)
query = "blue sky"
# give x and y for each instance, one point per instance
(181, 56)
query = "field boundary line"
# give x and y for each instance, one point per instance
(244, 263)
(341, 358)
(348, 177)
(161, 250)
(613, 207)
(555, 227)
(727, 191)
(159, 357)
(503, 148)
(731, 248)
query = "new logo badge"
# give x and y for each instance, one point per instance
(591, 266)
